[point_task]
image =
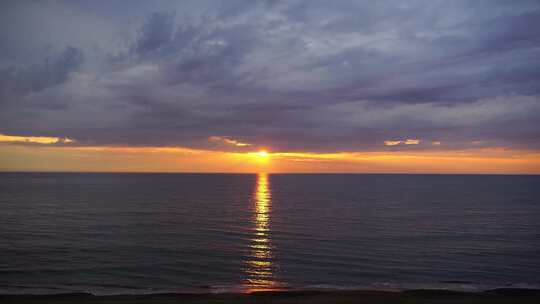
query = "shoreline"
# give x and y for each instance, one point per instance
(124, 290)
(500, 295)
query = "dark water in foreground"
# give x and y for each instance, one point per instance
(143, 233)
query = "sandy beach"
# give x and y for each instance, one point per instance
(410, 296)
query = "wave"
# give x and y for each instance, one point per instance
(118, 289)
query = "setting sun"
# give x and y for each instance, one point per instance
(262, 153)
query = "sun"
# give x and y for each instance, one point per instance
(262, 153)
(261, 156)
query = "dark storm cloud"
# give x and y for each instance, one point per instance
(36, 77)
(291, 75)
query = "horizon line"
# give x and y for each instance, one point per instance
(273, 173)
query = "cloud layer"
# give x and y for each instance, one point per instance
(291, 75)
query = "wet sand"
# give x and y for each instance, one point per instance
(410, 296)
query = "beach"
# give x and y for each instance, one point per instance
(363, 296)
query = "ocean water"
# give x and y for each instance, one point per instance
(152, 233)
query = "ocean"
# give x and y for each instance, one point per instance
(157, 233)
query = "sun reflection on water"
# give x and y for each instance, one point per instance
(259, 266)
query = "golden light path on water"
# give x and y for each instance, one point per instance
(259, 268)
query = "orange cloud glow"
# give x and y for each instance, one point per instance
(229, 141)
(392, 142)
(399, 142)
(177, 159)
(412, 142)
(34, 139)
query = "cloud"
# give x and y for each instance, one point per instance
(155, 33)
(402, 142)
(228, 141)
(37, 77)
(412, 142)
(34, 139)
(392, 142)
(291, 76)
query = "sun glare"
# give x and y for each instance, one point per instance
(262, 153)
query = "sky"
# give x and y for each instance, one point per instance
(322, 86)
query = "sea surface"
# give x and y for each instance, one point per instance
(154, 233)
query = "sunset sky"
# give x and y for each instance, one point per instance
(319, 86)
